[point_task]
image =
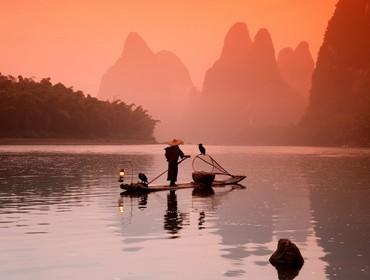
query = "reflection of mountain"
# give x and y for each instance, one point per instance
(340, 207)
(245, 89)
(247, 222)
(339, 109)
(159, 82)
(274, 205)
(292, 211)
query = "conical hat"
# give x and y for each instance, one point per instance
(175, 142)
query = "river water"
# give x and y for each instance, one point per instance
(62, 216)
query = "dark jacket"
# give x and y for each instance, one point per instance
(173, 153)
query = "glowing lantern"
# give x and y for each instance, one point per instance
(121, 175)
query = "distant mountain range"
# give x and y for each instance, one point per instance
(296, 67)
(246, 82)
(247, 90)
(159, 82)
(248, 96)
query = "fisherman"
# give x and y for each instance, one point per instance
(173, 153)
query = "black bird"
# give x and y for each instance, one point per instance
(143, 178)
(202, 150)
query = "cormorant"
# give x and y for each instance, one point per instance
(202, 150)
(143, 178)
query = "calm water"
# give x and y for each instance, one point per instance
(62, 216)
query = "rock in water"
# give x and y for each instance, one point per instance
(287, 260)
(287, 254)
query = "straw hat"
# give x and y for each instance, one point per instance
(175, 142)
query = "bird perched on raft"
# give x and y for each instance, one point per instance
(143, 178)
(202, 150)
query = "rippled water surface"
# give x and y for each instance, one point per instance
(62, 216)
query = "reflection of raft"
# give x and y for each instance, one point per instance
(140, 188)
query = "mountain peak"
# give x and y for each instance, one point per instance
(135, 46)
(237, 41)
(338, 113)
(263, 37)
(296, 67)
(263, 45)
(303, 53)
(304, 46)
(264, 54)
(239, 28)
(285, 55)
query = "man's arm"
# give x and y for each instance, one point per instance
(182, 155)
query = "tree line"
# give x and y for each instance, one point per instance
(31, 109)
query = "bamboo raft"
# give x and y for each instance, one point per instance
(142, 188)
(202, 180)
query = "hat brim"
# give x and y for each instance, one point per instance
(175, 142)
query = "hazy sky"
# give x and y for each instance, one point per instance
(74, 41)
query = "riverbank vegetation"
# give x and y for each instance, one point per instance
(31, 109)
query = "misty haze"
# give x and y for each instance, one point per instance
(185, 139)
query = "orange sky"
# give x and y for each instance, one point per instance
(75, 41)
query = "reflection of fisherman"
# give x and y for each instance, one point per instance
(172, 219)
(173, 153)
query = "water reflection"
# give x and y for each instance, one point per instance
(339, 192)
(173, 218)
(201, 220)
(70, 200)
(31, 183)
(141, 200)
(276, 205)
(34, 183)
(287, 272)
(246, 221)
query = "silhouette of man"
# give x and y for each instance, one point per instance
(173, 153)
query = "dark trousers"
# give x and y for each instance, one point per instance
(172, 171)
